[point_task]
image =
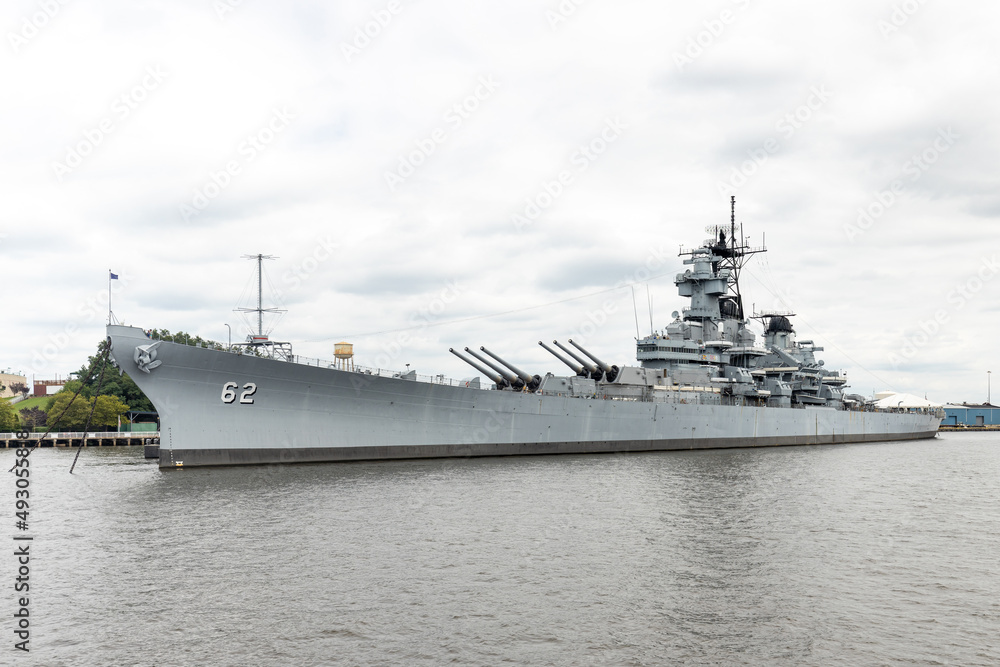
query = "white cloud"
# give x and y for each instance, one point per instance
(656, 186)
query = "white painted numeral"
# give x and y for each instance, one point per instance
(246, 398)
(249, 389)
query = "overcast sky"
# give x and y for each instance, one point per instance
(509, 165)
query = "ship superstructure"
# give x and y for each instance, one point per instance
(708, 348)
(702, 381)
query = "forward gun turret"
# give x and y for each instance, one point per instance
(531, 382)
(500, 381)
(513, 381)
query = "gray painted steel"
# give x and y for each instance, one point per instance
(702, 382)
(309, 413)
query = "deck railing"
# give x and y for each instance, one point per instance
(642, 394)
(385, 372)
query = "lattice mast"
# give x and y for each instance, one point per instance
(735, 255)
(260, 310)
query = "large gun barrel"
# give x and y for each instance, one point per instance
(531, 381)
(610, 372)
(577, 368)
(511, 378)
(498, 379)
(595, 372)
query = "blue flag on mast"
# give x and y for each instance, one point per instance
(114, 276)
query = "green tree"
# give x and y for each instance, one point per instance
(120, 384)
(32, 417)
(75, 418)
(70, 388)
(113, 384)
(107, 410)
(185, 339)
(8, 418)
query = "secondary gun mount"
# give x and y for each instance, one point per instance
(532, 382)
(576, 368)
(610, 372)
(498, 379)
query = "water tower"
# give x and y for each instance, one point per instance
(343, 356)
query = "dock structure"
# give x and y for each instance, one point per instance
(98, 439)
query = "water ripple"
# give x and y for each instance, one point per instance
(868, 555)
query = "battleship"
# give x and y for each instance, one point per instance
(701, 382)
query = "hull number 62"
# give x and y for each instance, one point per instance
(229, 392)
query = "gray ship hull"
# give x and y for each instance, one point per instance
(219, 408)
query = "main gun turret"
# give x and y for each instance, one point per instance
(610, 372)
(591, 368)
(531, 382)
(513, 381)
(498, 379)
(576, 368)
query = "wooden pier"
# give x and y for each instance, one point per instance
(109, 439)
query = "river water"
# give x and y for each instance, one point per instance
(883, 554)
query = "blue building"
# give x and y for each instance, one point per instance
(971, 415)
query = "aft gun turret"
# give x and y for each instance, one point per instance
(610, 372)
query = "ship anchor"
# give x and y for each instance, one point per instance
(145, 357)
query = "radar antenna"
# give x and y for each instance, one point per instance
(735, 251)
(260, 310)
(259, 344)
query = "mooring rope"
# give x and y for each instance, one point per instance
(97, 394)
(83, 383)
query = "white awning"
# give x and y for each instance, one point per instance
(905, 401)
